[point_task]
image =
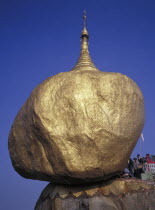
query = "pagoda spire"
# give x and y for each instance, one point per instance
(84, 62)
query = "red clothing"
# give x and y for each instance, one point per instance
(149, 160)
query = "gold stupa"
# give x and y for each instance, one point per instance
(78, 126)
(84, 62)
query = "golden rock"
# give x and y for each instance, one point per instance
(78, 126)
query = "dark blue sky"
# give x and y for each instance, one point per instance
(41, 38)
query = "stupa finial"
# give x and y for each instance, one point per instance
(84, 18)
(84, 62)
(84, 31)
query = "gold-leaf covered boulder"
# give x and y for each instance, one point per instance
(78, 126)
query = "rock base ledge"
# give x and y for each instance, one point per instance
(119, 194)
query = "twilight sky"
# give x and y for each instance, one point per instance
(40, 38)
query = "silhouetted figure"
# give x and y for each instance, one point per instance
(131, 166)
(140, 166)
(135, 163)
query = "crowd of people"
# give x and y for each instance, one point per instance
(139, 165)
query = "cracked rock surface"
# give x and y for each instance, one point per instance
(77, 127)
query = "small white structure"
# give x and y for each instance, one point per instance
(151, 167)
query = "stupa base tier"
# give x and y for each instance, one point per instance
(118, 194)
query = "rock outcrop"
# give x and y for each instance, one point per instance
(129, 194)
